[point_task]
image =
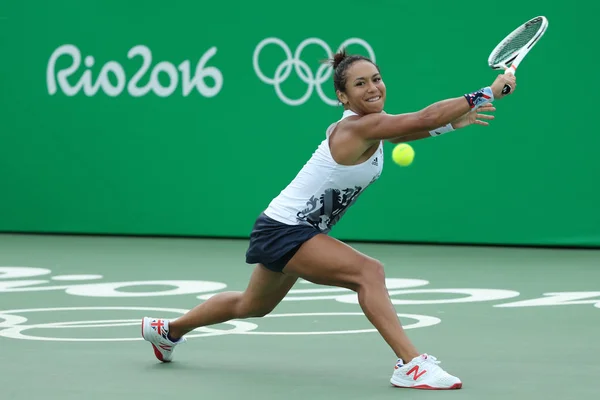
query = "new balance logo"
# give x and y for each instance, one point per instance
(415, 371)
(375, 162)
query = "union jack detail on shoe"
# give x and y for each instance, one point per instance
(156, 331)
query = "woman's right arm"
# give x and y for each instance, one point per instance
(375, 127)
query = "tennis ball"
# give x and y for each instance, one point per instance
(403, 154)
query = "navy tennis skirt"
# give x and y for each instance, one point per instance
(273, 244)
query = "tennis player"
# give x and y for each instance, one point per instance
(290, 238)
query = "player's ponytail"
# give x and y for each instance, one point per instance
(338, 58)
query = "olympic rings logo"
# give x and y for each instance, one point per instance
(313, 80)
(14, 326)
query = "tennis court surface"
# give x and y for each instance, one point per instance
(512, 323)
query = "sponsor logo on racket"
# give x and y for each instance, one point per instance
(293, 62)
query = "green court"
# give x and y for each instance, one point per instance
(149, 128)
(516, 323)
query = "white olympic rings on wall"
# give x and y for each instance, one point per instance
(313, 80)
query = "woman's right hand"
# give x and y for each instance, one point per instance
(501, 80)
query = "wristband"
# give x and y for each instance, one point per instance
(441, 130)
(480, 97)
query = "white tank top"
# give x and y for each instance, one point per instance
(323, 189)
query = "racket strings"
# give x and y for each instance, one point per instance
(516, 43)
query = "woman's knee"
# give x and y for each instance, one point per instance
(372, 273)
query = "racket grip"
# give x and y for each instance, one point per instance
(507, 88)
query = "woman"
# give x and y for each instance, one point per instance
(290, 238)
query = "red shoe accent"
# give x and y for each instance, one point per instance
(427, 387)
(158, 354)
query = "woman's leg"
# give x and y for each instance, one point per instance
(325, 260)
(265, 290)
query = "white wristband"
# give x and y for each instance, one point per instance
(441, 130)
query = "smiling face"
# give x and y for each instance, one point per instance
(364, 90)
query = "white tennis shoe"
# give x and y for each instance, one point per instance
(423, 372)
(156, 332)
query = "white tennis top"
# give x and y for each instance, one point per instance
(323, 190)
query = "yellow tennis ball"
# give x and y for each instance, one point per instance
(403, 154)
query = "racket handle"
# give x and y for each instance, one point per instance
(507, 88)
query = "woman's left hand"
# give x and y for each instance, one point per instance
(475, 117)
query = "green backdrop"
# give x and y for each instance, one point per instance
(139, 139)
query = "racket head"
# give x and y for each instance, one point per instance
(519, 40)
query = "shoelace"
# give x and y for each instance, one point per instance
(432, 359)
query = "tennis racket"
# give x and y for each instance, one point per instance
(509, 53)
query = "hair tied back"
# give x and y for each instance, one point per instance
(338, 58)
